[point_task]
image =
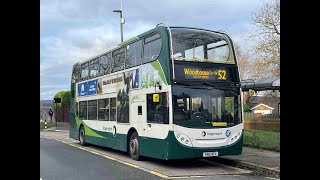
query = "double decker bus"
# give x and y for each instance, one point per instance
(168, 93)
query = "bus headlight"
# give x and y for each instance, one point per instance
(183, 139)
(235, 137)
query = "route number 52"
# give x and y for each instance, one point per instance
(222, 74)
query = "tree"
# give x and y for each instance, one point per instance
(65, 98)
(267, 39)
(65, 102)
(245, 65)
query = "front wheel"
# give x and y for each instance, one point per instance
(134, 147)
(82, 136)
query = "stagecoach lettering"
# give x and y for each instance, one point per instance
(107, 128)
(111, 81)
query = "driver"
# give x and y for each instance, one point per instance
(228, 116)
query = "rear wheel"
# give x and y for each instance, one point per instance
(134, 147)
(82, 136)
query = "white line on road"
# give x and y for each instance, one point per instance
(271, 178)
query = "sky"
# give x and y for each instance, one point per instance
(74, 30)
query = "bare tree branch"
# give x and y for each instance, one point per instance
(267, 40)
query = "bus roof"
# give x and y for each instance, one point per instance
(140, 36)
(120, 44)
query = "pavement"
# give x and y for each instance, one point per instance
(260, 161)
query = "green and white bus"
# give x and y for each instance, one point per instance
(169, 93)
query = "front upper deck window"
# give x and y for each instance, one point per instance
(76, 73)
(200, 45)
(85, 71)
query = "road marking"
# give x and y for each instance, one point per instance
(108, 157)
(118, 160)
(196, 176)
(271, 178)
(159, 174)
(132, 165)
(179, 177)
(185, 177)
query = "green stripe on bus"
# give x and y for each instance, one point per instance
(88, 130)
(156, 65)
(128, 41)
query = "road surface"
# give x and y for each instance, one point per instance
(62, 161)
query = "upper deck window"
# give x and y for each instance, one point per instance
(76, 73)
(134, 54)
(94, 68)
(105, 64)
(200, 45)
(85, 71)
(152, 48)
(118, 57)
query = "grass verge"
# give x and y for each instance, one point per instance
(267, 140)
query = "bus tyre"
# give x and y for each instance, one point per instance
(82, 136)
(134, 147)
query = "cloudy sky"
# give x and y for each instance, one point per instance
(73, 30)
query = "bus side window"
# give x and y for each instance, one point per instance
(152, 48)
(83, 110)
(103, 109)
(133, 57)
(77, 109)
(76, 73)
(92, 110)
(113, 109)
(94, 68)
(105, 64)
(85, 71)
(118, 57)
(157, 112)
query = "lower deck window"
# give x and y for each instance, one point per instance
(92, 110)
(83, 110)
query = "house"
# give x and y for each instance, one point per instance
(262, 109)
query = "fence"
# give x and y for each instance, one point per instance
(262, 131)
(62, 114)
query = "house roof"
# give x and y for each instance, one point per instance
(261, 104)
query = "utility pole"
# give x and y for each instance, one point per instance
(121, 21)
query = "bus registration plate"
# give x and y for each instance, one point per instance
(210, 154)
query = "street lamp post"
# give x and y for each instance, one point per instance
(121, 21)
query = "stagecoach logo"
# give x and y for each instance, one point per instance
(204, 133)
(114, 131)
(228, 133)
